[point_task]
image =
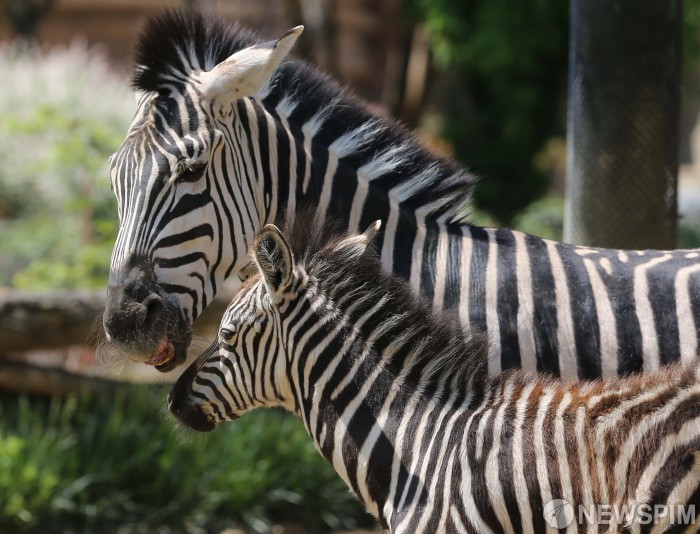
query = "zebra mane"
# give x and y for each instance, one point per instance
(441, 351)
(172, 45)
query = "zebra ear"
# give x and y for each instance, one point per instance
(371, 231)
(247, 71)
(356, 245)
(274, 258)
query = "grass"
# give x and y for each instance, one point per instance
(121, 465)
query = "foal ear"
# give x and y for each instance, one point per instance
(356, 245)
(274, 258)
(247, 71)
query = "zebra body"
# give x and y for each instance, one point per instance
(211, 157)
(399, 399)
(573, 311)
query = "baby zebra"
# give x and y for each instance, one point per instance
(397, 397)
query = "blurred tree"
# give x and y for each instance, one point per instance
(691, 42)
(501, 88)
(61, 117)
(624, 110)
(319, 18)
(504, 90)
(25, 15)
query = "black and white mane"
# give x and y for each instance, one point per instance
(175, 45)
(449, 358)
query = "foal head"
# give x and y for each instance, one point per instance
(250, 365)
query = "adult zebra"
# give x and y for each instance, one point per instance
(398, 399)
(226, 137)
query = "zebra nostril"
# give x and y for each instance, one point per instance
(154, 307)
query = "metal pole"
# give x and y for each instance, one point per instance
(623, 125)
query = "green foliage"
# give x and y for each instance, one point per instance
(102, 465)
(691, 42)
(543, 218)
(87, 267)
(688, 233)
(19, 467)
(60, 119)
(506, 66)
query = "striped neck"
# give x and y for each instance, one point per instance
(321, 146)
(379, 353)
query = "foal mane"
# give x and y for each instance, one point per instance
(441, 351)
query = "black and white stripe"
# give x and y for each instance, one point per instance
(572, 311)
(399, 400)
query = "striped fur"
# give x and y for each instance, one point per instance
(398, 398)
(546, 306)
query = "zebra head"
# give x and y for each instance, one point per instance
(257, 343)
(187, 195)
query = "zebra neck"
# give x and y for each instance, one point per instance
(329, 150)
(384, 356)
(363, 423)
(378, 433)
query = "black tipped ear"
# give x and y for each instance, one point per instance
(371, 231)
(274, 258)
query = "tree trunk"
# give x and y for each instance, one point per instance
(23, 378)
(49, 320)
(623, 126)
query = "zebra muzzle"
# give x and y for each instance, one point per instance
(163, 355)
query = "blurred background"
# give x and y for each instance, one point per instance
(84, 445)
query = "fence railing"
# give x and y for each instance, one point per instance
(55, 320)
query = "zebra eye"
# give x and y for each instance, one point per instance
(227, 333)
(190, 171)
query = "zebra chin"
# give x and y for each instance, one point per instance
(186, 408)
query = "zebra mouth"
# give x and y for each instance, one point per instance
(170, 352)
(172, 348)
(185, 412)
(196, 421)
(163, 356)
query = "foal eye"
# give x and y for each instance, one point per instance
(190, 171)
